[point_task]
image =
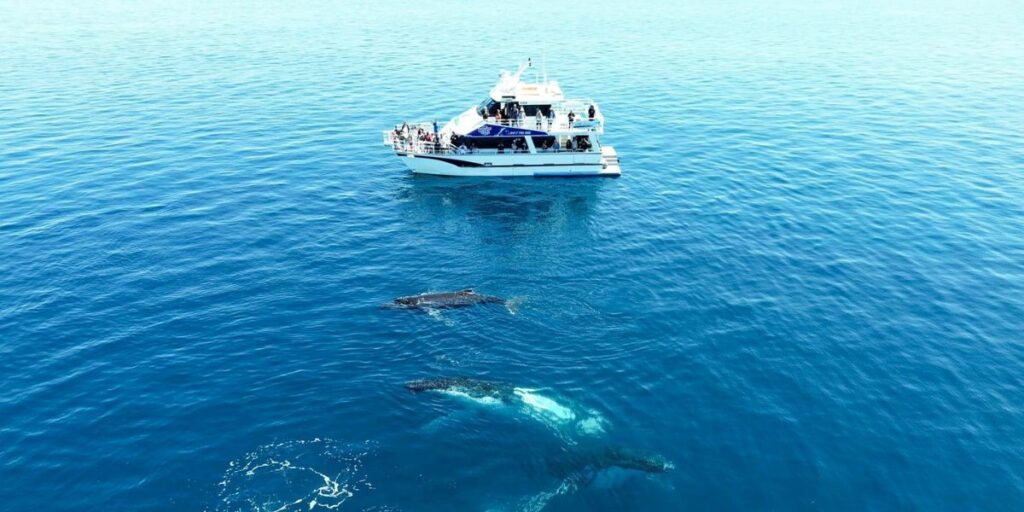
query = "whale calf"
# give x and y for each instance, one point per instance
(580, 468)
(599, 460)
(446, 300)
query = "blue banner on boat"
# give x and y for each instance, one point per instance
(493, 130)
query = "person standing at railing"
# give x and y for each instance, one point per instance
(551, 117)
(572, 117)
(538, 117)
(592, 112)
(522, 115)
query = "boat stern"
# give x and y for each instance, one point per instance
(610, 162)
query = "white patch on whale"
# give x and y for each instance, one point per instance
(483, 400)
(557, 416)
(592, 425)
(543, 406)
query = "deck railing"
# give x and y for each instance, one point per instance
(433, 148)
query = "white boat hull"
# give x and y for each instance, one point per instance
(604, 163)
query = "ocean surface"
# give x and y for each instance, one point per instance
(805, 292)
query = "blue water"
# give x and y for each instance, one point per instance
(806, 291)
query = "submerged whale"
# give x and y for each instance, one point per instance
(446, 300)
(581, 468)
(594, 461)
(560, 417)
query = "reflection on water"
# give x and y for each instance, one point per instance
(515, 206)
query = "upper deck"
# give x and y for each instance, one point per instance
(514, 110)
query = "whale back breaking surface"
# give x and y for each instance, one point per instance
(475, 388)
(442, 300)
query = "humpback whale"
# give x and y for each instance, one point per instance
(576, 468)
(445, 300)
(473, 388)
(599, 460)
(542, 408)
(581, 468)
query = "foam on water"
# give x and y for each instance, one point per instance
(294, 475)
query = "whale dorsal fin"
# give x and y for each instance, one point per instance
(467, 290)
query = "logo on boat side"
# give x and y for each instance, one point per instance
(489, 130)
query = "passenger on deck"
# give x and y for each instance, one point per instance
(572, 117)
(522, 115)
(497, 117)
(472, 148)
(568, 143)
(501, 147)
(551, 117)
(539, 117)
(592, 112)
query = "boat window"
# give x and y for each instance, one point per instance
(492, 142)
(490, 105)
(544, 142)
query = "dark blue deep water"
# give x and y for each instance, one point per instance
(806, 291)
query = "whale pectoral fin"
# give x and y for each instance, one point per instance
(512, 305)
(437, 315)
(540, 501)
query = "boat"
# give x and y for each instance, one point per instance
(521, 129)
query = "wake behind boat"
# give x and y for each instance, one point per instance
(521, 129)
